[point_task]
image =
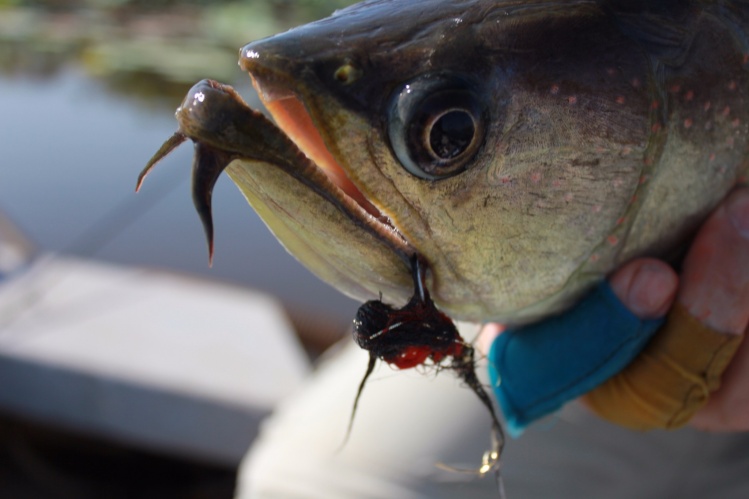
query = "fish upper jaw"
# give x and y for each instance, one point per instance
(273, 78)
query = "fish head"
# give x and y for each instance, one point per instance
(502, 141)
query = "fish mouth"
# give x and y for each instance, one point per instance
(291, 116)
(295, 184)
(275, 88)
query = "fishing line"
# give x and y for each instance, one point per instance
(121, 216)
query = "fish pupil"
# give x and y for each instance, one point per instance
(451, 134)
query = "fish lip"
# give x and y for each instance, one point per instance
(272, 78)
(261, 63)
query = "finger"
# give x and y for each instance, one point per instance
(486, 337)
(716, 289)
(646, 286)
(727, 409)
(715, 275)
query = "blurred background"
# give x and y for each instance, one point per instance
(87, 94)
(88, 91)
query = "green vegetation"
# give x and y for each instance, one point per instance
(143, 47)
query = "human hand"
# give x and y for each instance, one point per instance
(714, 287)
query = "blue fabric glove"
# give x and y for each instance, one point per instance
(536, 369)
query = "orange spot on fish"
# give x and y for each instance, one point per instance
(594, 258)
(688, 123)
(572, 99)
(674, 88)
(656, 127)
(554, 89)
(535, 177)
(612, 240)
(644, 178)
(620, 99)
(626, 151)
(654, 105)
(620, 221)
(689, 95)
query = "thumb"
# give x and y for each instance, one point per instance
(646, 286)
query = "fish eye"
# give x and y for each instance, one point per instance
(436, 126)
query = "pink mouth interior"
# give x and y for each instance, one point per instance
(292, 117)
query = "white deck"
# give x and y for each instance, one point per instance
(154, 359)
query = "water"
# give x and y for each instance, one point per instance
(71, 150)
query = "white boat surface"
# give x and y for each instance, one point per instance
(158, 360)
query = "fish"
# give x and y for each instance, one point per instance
(521, 149)
(487, 161)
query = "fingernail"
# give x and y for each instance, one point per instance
(652, 291)
(738, 212)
